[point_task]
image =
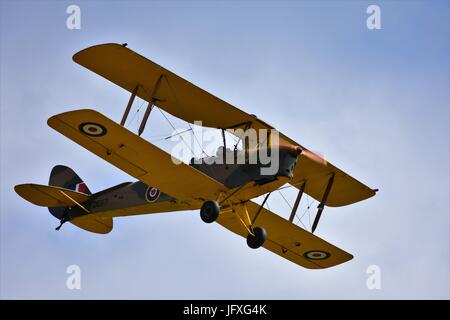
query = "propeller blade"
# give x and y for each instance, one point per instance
(314, 157)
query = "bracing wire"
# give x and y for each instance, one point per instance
(309, 212)
(173, 127)
(176, 134)
(284, 199)
(136, 113)
(196, 140)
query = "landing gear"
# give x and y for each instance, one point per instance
(257, 239)
(209, 211)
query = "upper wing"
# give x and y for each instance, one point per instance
(49, 196)
(287, 239)
(184, 100)
(134, 155)
(315, 174)
(176, 95)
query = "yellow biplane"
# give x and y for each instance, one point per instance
(221, 190)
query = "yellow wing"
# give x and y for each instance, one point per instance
(146, 162)
(94, 223)
(316, 172)
(287, 239)
(49, 196)
(176, 95)
(184, 100)
(134, 155)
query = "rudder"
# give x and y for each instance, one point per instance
(65, 177)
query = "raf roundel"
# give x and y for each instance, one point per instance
(152, 194)
(316, 255)
(92, 129)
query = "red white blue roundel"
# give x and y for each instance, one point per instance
(92, 129)
(316, 255)
(152, 194)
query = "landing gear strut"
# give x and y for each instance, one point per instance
(209, 211)
(258, 238)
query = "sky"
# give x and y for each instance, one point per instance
(375, 102)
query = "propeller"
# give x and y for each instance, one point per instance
(297, 151)
(313, 156)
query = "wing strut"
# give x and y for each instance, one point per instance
(297, 201)
(322, 203)
(224, 147)
(130, 103)
(150, 105)
(260, 207)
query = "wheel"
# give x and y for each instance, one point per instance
(209, 211)
(258, 239)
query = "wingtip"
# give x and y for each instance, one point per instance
(79, 53)
(17, 188)
(51, 120)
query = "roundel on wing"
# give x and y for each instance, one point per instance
(92, 129)
(152, 194)
(316, 255)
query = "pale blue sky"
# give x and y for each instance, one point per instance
(376, 102)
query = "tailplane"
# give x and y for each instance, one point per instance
(65, 191)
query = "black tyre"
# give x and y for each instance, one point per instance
(258, 239)
(209, 211)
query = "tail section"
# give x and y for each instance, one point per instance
(64, 177)
(66, 197)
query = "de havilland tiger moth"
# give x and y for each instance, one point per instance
(222, 191)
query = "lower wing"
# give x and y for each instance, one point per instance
(287, 239)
